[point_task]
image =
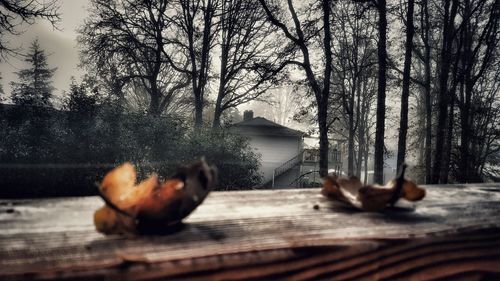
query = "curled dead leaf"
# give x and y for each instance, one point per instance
(152, 205)
(372, 198)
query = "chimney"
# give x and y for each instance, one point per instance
(247, 115)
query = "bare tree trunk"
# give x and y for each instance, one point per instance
(223, 69)
(361, 113)
(366, 166)
(222, 83)
(321, 89)
(443, 100)
(154, 103)
(382, 60)
(466, 103)
(325, 93)
(357, 124)
(198, 111)
(323, 140)
(424, 23)
(480, 44)
(465, 132)
(199, 58)
(444, 175)
(403, 122)
(359, 159)
(217, 115)
(455, 78)
(350, 146)
(361, 147)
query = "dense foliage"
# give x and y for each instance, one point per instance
(52, 152)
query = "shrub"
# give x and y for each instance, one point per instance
(62, 153)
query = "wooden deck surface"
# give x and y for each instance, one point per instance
(261, 235)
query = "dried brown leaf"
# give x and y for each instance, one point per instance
(372, 198)
(151, 206)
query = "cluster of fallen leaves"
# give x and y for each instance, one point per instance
(371, 198)
(152, 205)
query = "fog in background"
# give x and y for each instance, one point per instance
(60, 44)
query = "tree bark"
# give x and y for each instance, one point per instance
(444, 175)
(425, 26)
(323, 141)
(325, 93)
(199, 58)
(378, 176)
(428, 120)
(443, 100)
(198, 111)
(350, 146)
(321, 90)
(466, 103)
(221, 92)
(217, 116)
(154, 104)
(403, 122)
(361, 142)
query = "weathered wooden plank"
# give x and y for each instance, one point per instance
(260, 235)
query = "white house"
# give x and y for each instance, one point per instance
(283, 158)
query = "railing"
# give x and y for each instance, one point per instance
(263, 234)
(297, 159)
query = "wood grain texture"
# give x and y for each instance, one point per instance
(454, 233)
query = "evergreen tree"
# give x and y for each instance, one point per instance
(82, 97)
(35, 83)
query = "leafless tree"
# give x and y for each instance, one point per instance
(14, 13)
(129, 37)
(403, 123)
(302, 36)
(449, 33)
(196, 26)
(381, 7)
(353, 36)
(248, 64)
(479, 36)
(281, 104)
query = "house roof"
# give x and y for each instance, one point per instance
(262, 126)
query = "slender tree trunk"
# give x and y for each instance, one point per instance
(365, 179)
(217, 117)
(444, 175)
(443, 99)
(382, 60)
(361, 146)
(428, 130)
(323, 96)
(350, 146)
(366, 148)
(424, 20)
(364, 131)
(323, 140)
(198, 111)
(464, 135)
(466, 104)
(224, 57)
(403, 122)
(360, 124)
(221, 93)
(321, 89)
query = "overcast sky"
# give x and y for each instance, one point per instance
(59, 44)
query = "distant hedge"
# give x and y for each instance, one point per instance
(47, 152)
